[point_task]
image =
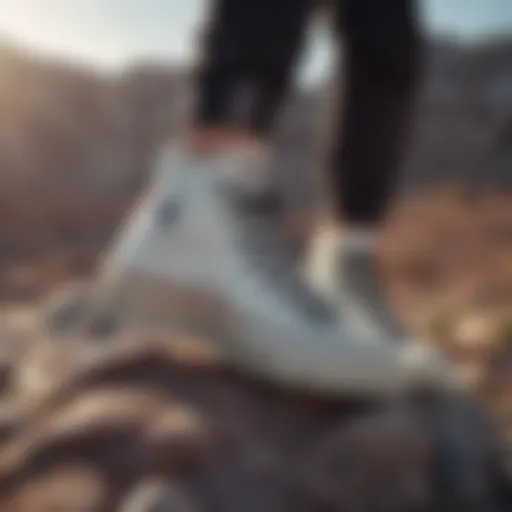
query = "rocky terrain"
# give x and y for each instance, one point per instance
(112, 424)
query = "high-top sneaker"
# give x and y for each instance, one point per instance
(201, 254)
(343, 270)
(362, 297)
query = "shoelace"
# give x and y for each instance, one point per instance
(268, 254)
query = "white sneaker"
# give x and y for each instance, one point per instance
(345, 274)
(201, 255)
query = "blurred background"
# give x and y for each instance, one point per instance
(90, 88)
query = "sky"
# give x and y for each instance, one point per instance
(111, 33)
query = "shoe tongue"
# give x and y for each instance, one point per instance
(250, 181)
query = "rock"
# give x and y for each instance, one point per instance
(48, 365)
(467, 458)
(68, 488)
(125, 434)
(67, 308)
(157, 496)
(377, 462)
(439, 456)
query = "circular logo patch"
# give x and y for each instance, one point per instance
(168, 213)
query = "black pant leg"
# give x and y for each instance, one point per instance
(381, 62)
(249, 48)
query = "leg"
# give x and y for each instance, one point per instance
(381, 64)
(249, 50)
(382, 60)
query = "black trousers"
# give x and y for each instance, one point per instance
(250, 47)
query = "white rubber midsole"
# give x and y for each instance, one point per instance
(327, 364)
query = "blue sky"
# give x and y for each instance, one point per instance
(110, 33)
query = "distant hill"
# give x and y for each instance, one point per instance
(59, 120)
(464, 125)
